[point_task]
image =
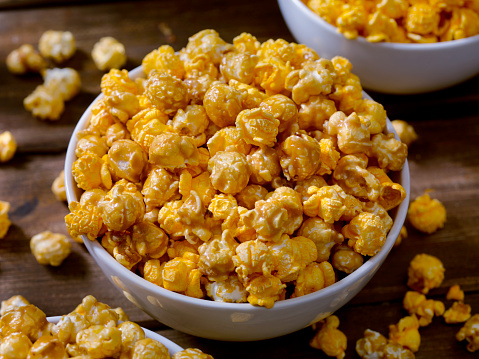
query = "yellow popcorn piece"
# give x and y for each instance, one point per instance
(126, 159)
(83, 220)
(4, 220)
(12, 303)
(365, 233)
(406, 333)
(253, 257)
(315, 276)
(265, 291)
(160, 186)
(405, 131)
(353, 135)
(149, 240)
(325, 202)
(98, 341)
(470, 333)
(45, 103)
(264, 164)
(47, 346)
(15, 345)
(374, 344)
(66, 82)
(166, 92)
(238, 66)
(149, 348)
(164, 59)
(86, 171)
(108, 53)
(117, 81)
(323, 234)
(181, 275)
(345, 259)
(425, 309)
(391, 153)
(425, 272)
(270, 74)
(228, 139)
(50, 248)
(257, 128)
(459, 312)
(329, 338)
(455, 293)
(25, 59)
(222, 104)
(26, 319)
(170, 150)
(391, 194)
(122, 105)
(229, 171)
(146, 125)
(8, 146)
(426, 215)
(57, 45)
(216, 257)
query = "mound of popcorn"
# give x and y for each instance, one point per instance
(240, 172)
(405, 21)
(92, 330)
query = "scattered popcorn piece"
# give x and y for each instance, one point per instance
(329, 338)
(402, 235)
(427, 215)
(57, 45)
(4, 220)
(8, 146)
(371, 344)
(455, 293)
(459, 312)
(50, 248)
(425, 309)
(470, 332)
(12, 303)
(108, 53)
(406, 333)
(65, 82)
(25, 59)
(58, 187)
(45, 103)
(425, 272)
(405, 131)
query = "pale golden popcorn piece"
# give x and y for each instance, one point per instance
(372, 114)
(365, 233)
(353, 135)
(222, 104)
(249, 195)
(325, 202)
(50, 248)
(25, 59)
(253, 257)
(422, 19)
(66, 81)
(424, 309)
(146, 125)
(470, 333)
(426, 215)
(201, 184)
(463, 23)
(108, 53)
(406, 333)
(192, 121)
(224, 207)
(352, 21)
(69, 325)
(83, 220)
(329, 338)
(425, 272)
(99, 341)
(149, 240)
(169, 219)
(391, 194)
(315, 78)
(265, 291)
(323, 234)
(47, 346)
(405, 131)
(28, 320)
(302, 186)
(170, 150)
(149, 348)
(45, 103)
(181, 274)
(92, 197)
(270, 75)
(87, 171)
(229, 171)
(159, 187)
(216, 257)
(299, 156)
(283, 109)
(166, 92)
(257, 128)
(228, 139)
(455, 293)
(12, 303)
(122, 206)
(382, 28)
(207, 42)
(122, 105)
(291, 256)
(97, 313)
(264, 164)
(4, 220)
(130, 334)
(303, 54)
(57, 45)
(345, 259)
(117, 80)
(380, 211)
(238, 66)
(393, 8)
(372, 343)
(246, 42)
(315, 111)
(230, 290)
(459, 312)
(353, 177)
(127, 160)
(315, 276)
(15, 346)
(251, 97)
(163, 59)
(391, 153)
(8, 146)
(279, 48)
(290, 200)
(91, 143)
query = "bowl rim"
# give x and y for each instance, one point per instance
(414, 47)
(172, 346)
(372, 264)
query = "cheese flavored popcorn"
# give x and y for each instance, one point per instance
(426, 214)
(108, 53)
(425, 272)
(329, 338)
(25, 59)
(244, 172)
(50, 248)
(8, 146)
(57, 45)
(470, 333)
(4, 220)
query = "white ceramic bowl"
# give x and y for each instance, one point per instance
(172, 347)
(231, 321)
(386, 67)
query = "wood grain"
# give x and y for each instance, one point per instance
(445, 159)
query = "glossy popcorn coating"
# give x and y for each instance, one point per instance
(50, 248)
(425, 309)
(470, 333)
(221, 161)
(329, 338)
(426, 214)
(25, 59)
(108, 53)
(425, 272)
(57, 45)
(4, 220)
(406, 333)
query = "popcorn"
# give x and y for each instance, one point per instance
(66, 82)
(353, 135)
(50, 248)
(455, 293)
(164, 59)
(375, 345)
(366, 233)
(127, 160)
(4, 220)
(425, 272)
(57, 45)
(8, 146)
(313, 277)
(406, 333)
(83, 219)
(426, 215)
(257, 128)
(222, 104)
(425, 309)
(405, 131)
(108, 53)
(45, 103)
(470, 333)
(25, 59)
(229, 171)
(459, 312)
(329, 338)
(346, 259)
(12, 303)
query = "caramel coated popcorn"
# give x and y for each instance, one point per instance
(57, 45)
(426, 214)
(244, 172)
(470, 333)
(25, 59)
(406, 21)
(92, 330)
(4, 220)
(108, 53)
(375, 345)
(329, 338)
(8, 146)
(425, 272)
(50, 248)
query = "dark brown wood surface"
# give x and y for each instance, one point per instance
(445, 159)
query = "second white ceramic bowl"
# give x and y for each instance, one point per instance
(386, 67)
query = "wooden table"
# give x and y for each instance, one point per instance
(445, 158)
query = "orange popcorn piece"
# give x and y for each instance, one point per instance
(470, 333)
(425, 309)
(459, 312)
(329, 338)
(427, 215)
(425, 272)
(406, 333)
